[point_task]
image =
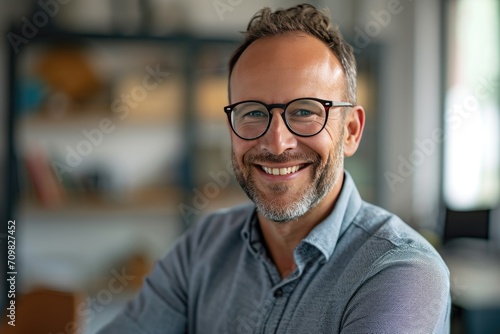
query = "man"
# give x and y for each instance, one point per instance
(308, 256)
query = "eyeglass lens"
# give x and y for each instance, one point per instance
(304, 117)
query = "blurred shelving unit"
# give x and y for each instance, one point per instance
(149, 109)
(110, 135)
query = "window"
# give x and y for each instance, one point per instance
(471, 119)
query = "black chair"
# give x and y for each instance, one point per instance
(466, 224)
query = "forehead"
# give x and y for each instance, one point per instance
(281, 68)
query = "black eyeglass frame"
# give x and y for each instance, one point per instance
(327, 104)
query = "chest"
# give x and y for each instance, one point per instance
(246, 295)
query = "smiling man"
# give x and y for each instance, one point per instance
(309, 255)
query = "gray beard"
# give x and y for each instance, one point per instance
(323, 179)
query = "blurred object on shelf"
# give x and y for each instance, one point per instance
(96, 180)
(48, 190)
(31, 93)
(43, 311)
(149, 101)
(211, 96)
(67, 71)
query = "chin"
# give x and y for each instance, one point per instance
(281, 209)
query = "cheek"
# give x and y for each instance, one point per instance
(324, 144)
(333, 136)
(333, 130)
(240, 147)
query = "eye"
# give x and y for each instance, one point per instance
(255, 114)
(302, 112)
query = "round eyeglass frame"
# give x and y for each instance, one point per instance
(327, 104)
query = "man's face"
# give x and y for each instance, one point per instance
(278, 70)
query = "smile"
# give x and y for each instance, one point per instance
(281, 171)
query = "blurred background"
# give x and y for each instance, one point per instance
(113, 141)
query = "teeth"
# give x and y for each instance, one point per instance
(280, 171)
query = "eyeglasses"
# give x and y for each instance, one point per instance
(304, 117)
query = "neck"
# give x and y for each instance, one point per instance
(281, 239)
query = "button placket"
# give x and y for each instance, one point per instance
(278, 293)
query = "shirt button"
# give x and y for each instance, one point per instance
(278, 293)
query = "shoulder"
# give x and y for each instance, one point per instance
(394, 243)
(380, 224)
(396, 272)
(214, 234)
(224, 224)
(226, 219)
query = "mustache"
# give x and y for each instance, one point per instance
(283, 158)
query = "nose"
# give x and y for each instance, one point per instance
(278, 138)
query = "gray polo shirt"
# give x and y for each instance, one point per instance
(361, 270)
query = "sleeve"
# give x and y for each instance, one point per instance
(407, 292)
(161, 305)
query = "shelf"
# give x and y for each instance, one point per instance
(152, 201)
(180, 38)
(93, 120)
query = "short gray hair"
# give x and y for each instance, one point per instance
(307, 19)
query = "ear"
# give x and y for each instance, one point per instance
(354, 125)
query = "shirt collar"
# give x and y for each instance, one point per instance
(250, 233)
(325, 235)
